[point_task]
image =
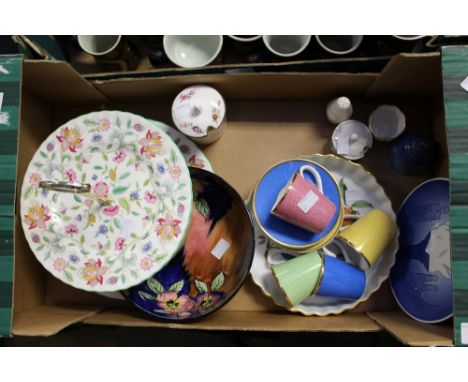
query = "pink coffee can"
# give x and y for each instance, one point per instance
(302, 203)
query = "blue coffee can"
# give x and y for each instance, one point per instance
(341, 280)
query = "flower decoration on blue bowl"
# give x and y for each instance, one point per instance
(212, 265)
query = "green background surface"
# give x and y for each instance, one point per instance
(455, 70)
(10, 85)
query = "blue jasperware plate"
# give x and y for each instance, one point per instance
(421, 278)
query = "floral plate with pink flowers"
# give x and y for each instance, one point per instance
(133, 218)
(191, 152)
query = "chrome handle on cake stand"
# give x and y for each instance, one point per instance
(73, 188)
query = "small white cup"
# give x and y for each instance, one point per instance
(339, 45)
(409, 37)
(101, 46)
(286, 46)
(339, 110)
(192, 51)
(387, 122)
(245, 38)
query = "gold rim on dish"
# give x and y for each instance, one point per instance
(307, 247)
(314, 291)
(353, 247)
(296, 309)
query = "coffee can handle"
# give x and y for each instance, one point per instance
(315, 174)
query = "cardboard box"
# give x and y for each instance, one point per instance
(271, 117)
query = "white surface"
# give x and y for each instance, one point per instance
(342, 145)
(361, 139)
(98, 45)
(438, 249)
(315, 173)
(220, 248)
(191, 51)
(464, 333)
(4, 116)
(358, 179)
(339, 45)
(195, 106)
(464, 84)
(183, 111)
(241, 38)
(339, 110)
(286, 46)
(387, 122)
(307, 202)
(409, 37)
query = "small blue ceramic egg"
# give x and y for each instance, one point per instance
(412, 154)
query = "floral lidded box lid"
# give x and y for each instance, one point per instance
(127, 203)
(197, 109)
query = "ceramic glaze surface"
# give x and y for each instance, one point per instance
(191, 51)
(197, 109)
(267, 191)
(98, 45)
(339, 110)
(194, 157)
(341, 280)
(421, 278)
(305, 206)
(339, 44)
(287, 45)
(361, 193)
(387, 122)
(351, 139)
(214, 261)
(413, 153)
(370, 235)
(141, 173)
(298, 277)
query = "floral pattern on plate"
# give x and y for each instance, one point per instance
(191, 152)
(194, 157)
(139, 170)
(352, 205)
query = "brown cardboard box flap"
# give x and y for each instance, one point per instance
(412, 332)
(409, 75)
(47, 320)
(57, 82)
(246, 321)
(87, 66)
(245, 86)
